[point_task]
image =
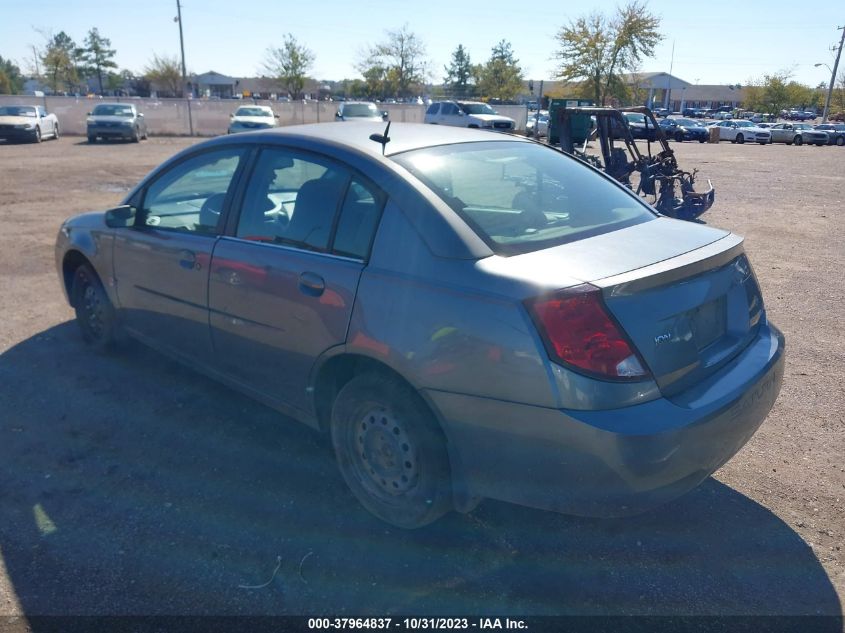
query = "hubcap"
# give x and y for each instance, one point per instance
(387, 456)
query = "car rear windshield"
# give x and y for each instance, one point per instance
(113, 110)
(521, 197)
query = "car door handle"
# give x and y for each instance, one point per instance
(188, 260)
(311, 284)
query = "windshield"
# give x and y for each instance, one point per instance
(252, 111)
(113, 110)
(635, 117)
(476, 108)
(688, 123)
(521, 197)
(360, 110)
(17, 111)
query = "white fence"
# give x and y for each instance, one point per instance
(169, 117)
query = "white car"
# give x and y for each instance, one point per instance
(359, 111)
(252, 117)
(740, 131)
(27, 123)
(468, 114)
(542, 124)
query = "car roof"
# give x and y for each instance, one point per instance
(356, 135)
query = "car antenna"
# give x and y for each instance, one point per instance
(383, 139)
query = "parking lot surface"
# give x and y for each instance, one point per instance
(129, 485)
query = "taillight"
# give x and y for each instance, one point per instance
(578, 331)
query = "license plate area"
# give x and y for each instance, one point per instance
(708, 322)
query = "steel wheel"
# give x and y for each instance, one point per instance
(95, 314)
(390, 451)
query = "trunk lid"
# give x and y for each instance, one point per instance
(684, 294)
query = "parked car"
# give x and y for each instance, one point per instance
(661, 112)
(467, 314)
(739, 131)
(800, 115)
(798, 134)
(252, 117)
(837, 116)
(360, 111)
(467, 114)
(640, 126)
(834, 131)
(27, 123)
(116, 120)
(542, 124)
(684, 130)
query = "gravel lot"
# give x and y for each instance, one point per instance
(129, 485)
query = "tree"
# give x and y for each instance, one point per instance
(11, 81)
(60, 60)
(396, 66)
(459, 73)
(290, 64)
(165, 73)
(597, 49)
(97, 56)
(501, 77)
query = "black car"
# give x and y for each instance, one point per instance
(640, 126)
(684, 130)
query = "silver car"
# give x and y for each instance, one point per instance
(359, 111)
(466, 314)
(798, 134)
(116, 121)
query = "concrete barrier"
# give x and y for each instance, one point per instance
(169, 117)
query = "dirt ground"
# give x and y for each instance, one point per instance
(129, 485)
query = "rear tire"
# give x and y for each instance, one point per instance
(92, 139)
(95, 313)
(390, 451)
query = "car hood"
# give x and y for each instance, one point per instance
(17, 120)
(490, 117)
(110, 118)
(265, 120)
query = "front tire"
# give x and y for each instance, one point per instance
(390, 451)
(92, 139)
(37, 137)
(679, 137)
(840, 141)
(798, 140)
(740, 139)
(95, 313)
(136, 135)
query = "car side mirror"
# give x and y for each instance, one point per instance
(87, 114)
(120, 217)
(275, 115)
(141, 115)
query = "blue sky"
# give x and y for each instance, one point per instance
(715, 42)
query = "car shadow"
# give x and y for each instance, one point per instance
(130, 485)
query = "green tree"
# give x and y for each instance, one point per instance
(165, 73)
(97, 57)
(459, 73)
(11, 81)
(501, 77)
(397, 65)
(290, 64)
(60, 61)
(597, 49)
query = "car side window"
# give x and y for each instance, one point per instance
(292, 199)
(433, 108)
(359, 217)
(190, 196)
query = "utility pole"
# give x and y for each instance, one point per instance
(833, 76)
(184, 73)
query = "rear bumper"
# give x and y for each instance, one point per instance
(613, 462)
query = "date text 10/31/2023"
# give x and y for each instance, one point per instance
(416, 623)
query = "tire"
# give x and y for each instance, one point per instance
(702, 140)
(679, 137)
(95, 313)
(740, 139)
(136, 135)
(798, 140)
(375, 420)
(92, 139)
(56, 132)
(840, 141)
(37, 137)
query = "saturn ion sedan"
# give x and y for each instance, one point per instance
(467, 315)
